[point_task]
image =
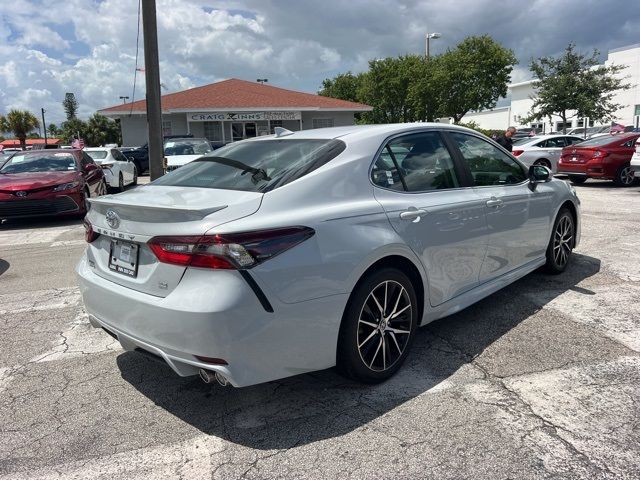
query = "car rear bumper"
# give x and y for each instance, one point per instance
(224, 321)
(589, 169)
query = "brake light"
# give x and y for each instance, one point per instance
(89, 234)
(228, 251)
(517, 153)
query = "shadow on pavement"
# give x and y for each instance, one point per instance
(41, 222)
(4, 266)
(312, 407)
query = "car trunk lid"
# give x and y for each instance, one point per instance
(130, 219)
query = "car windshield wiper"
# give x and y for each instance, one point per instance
(257, 174)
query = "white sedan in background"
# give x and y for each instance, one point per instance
(543, 150)
(118, 170)
(180, 151)
(635, 161)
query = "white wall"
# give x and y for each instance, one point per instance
(497, 119)
(340, 119)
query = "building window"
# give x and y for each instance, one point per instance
(274, 124)
(560, 126)
(636, 110)
(322, 122)
(213, 131)
(166, 128)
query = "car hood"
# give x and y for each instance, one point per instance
(179, 160)
(35, 180)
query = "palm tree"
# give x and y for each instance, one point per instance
(20, 122)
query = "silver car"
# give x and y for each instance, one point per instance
(296, 252)
(543, 150)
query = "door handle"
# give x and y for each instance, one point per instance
(494, 203)
(412, 214)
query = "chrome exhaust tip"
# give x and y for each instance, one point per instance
(221, 379)
(206, 376)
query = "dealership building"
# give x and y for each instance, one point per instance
(233, 110)
(519, 100)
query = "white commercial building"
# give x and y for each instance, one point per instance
(521, 101)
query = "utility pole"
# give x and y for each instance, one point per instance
(152, 79)
(124, 98)
(44, 127)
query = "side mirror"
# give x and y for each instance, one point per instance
(538, 174)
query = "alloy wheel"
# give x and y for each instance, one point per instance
(563, 241)
(627, 176)
(384, 326)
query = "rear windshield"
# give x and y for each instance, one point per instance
(40, 162)
(97, 154)
(186, 147)
(255, 166)
(597, 141)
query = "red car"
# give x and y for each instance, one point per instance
(604, 157)
(49, 182)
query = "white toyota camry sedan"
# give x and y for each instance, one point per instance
(300, 251)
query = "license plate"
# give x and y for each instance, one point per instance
(123, 258)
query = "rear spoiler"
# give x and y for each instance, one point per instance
(152, 213)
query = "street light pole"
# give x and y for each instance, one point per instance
(429, 36)
(124, 98)
(152, 79)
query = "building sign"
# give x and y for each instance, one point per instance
(242, 116)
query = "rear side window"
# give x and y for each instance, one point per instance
(416, 163)
(255, 166)
(488, 164)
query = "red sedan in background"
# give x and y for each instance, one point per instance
(605, 157)
(49, 182)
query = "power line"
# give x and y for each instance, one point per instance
(135, 71)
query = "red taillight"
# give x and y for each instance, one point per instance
(228, 251)
(517, 153)
(89, 234)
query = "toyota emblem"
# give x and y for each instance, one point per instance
(113, 220)
(21, 194)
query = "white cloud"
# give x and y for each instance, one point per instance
(49, 47)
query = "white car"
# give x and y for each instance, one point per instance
(180, 151)
(118, 170)
(543, 150)
(299, 251)
(635, 161)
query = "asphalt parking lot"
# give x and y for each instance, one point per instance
(540, 380)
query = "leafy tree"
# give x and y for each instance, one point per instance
(577, 82)
(70, 105)
(33, 135)
(344, 86)
(54, 131)
(20, 123)
(100, 130)
(473, 76)
(73, 128)
(424, 91)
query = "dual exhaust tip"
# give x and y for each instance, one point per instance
(207, 376)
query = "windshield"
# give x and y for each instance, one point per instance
(256, 166)
(97, 154)
(40, 162)
(187, 147)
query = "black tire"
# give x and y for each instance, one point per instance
(577, 179)
(103, 189)
(544, 162)
(561, 243)
(624, 176)
(135, 176)
(120, 183)
(86, 196)
(371, 348)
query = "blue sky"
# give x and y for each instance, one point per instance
(87, 47)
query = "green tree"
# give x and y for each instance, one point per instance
(70, 105)
(74, 128)
(54, 131)
(575, 82)
(100, 130)
(473, 76)
(20, 123)
(424, 91)
(344, 86)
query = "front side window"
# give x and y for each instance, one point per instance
(256, 166)
(488, 164)
(416, 163)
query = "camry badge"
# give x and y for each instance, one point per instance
(113, 220)
(21, 194)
